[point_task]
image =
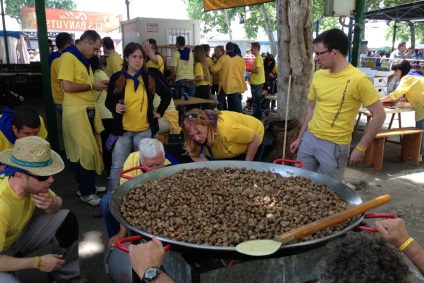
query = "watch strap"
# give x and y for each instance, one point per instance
(159, 270)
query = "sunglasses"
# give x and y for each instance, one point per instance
(39, 178)
(191, 117)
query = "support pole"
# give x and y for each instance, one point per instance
(127, 2)
(6, 45)
(40, 11)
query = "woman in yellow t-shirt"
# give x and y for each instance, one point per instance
(130, 99)
(201, 73)
(412, 86)
(211, 135)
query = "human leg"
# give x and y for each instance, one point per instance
(106, 154)
(332, 158)
(306, 152)
(85, 179)
(256, 96)
(222, 100)
(138, 136)
(60, 230)
(163, 126)
(234, 102)
(121, 150)
(112, 225)
(420, 124)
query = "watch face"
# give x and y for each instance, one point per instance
(151, 273)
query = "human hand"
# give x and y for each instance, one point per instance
(393, 230)
(121, 234)
(156, 114)
(44, 200)
(120, 108)
(99, 86)
(51, 262)
(295, 145)
(144, 256)
(356, 157)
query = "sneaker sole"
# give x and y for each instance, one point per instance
(98, 190)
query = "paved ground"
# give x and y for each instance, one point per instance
(405, 183)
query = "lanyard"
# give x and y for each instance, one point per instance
(209, 149)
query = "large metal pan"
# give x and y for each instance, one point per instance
(344, 192)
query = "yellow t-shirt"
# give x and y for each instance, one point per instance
(105, 113)
(231, 74)
(57, 91)
(6, 144)
(135, 116)
(133, 160)
(338, 97)
(81, 142)
(234, 132)
(184, 68)
(113, 63)
(171, 115)
(257, 79)
(210, 64)
(160, 65)
(198, 72)
(413, 88)
(15, 212)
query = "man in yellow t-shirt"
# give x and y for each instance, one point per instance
(155, 59)
(19, 123)
(231, 81)
(24, 186)
(337, 92)
(81, 122)
(63, 41)
(114, 60)
(257, 79)
(182, 67)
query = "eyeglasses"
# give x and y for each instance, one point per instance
(39, 178)
(320, 53)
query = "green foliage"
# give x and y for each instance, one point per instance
(403, 32)
(13, 6)
(217, 19)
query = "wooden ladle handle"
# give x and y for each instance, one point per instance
(331, 220)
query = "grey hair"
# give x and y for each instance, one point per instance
(149, 148)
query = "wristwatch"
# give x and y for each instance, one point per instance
(151, 274)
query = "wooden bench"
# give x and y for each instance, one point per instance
(410, 142)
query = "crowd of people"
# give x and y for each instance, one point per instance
(111, 116)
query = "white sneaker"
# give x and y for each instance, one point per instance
(98, 190)
(92, 200)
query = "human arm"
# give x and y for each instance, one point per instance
(252, 147)
(395, 232)
(49, 263)
(217, 66)
(256, 70)
(149, 51)
(121, 234)
(308, 116)
(378, 116)
(147, 255)
(198, 72)
(47, 201)
(162, 90)
(72, 87)
(112, 98)
(199, 158)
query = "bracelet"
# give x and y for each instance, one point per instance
(91, 86)
(363, 149)
(37, 262)
(407, 242)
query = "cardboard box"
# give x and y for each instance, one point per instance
(382, 90)
(380, 81)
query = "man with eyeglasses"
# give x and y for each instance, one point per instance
(24, 186)
(337, 92)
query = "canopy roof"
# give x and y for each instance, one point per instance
(406, 12)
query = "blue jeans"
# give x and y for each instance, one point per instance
(420, 124)
(222, 100)
(126, 144)
(185, 86)
(256, 96)
(86, 180)
(234, 102)
(112, 225)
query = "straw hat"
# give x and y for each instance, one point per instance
(34, 155)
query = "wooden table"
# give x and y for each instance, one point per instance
(192, 100)
(389, 110)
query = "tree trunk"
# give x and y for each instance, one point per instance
(268, 29)
(412, 29)
(294, 25)
(228, 25)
